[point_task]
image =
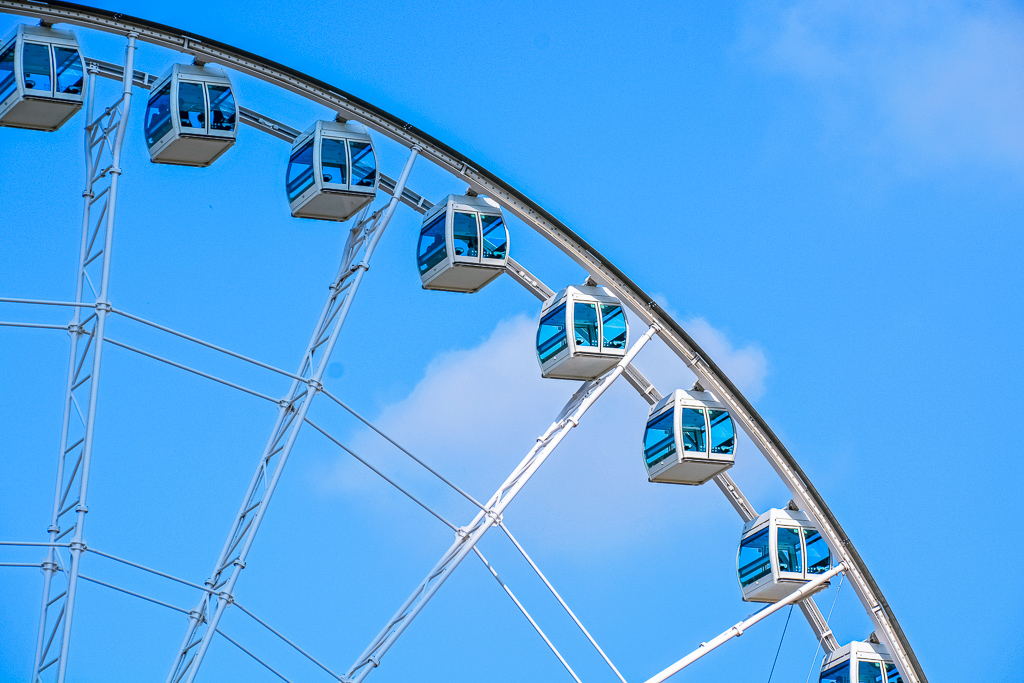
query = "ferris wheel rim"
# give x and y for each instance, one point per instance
(552, 229)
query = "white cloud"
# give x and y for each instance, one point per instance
(476, 413)
(944, 80)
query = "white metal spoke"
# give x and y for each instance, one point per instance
(204, 619)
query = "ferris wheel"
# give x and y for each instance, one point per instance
(467, 239)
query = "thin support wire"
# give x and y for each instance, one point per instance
(133, 594)
(240, 647)
(148, 569)
(561, 602)
(784, 628)
(287, 640)
(206, 344)
(527, 615)
(382, 475)
(41, 326)
(818, 647)
(42, 302)
(192, 370)
(425, 466)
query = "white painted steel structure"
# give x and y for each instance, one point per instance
(104, 135)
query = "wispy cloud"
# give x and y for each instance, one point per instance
(477, 411)
(943, 81)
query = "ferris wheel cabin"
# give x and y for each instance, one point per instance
(463, 244)
(582, 333)
(689, 439)
(859, 662)
(779, 552)
(332, 172)
(42, 81)
(192, 117)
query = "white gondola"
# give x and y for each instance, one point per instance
(779, 552)
(463, 244)
(42, 81)
(332, 172)
(689, 439)
(192, 116)
(859, 662)
(582, 333)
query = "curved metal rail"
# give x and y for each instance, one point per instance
(601, 269)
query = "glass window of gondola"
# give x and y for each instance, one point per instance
(779, 552)
(191, 117)
(332, 172)
(463, 244)
(859, 662)
(42, 80)
(689, 439)
(582, 333)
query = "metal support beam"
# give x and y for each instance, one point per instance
(736, 631)
(468, 536)
(104, 137)
(205, 618)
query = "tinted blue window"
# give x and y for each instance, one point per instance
(191, 105)
(364, 166)
(584, 324)
(300, 171)
(818, 559)
(431, 249)
(222, 107)
(753, 561)
(551, 337)
(869, 672)
(837, 674)
(659, 439)
(464, 234)
(158, 115)
(613, 326)
(35, 64)
(723, 438)
(333, 162)
(693, 428)
(892, 674)
(69, 70)
(788, 547)
(495, 237)
(7, 73)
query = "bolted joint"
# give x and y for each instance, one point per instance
(462, 532)
(239, 562)
(374, 659)
(53, 529)
(81, 508)
(495, 517)
(196, 617)
(78, 546)
(104, 306)
(315, 385)
(226, 597)
(49, 566)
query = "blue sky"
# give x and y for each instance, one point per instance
(827, 195)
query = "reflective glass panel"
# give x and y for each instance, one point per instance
(495, 236)
(694, 430)
(333, 162)
(7, 73)
(551, 338)
(788, 545)
(431, 249)
(70, 76)
(837, 674)
(869, 672)
(191, 105)
(659, 439)
(158, 115)
(300, 171)
(723, 438)
(222, 107)
(584, 322)
(818, 559)
(364, 166)
(35, 64)
(613, 326)
(892, 674)
(753, 562)
(464, 234)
